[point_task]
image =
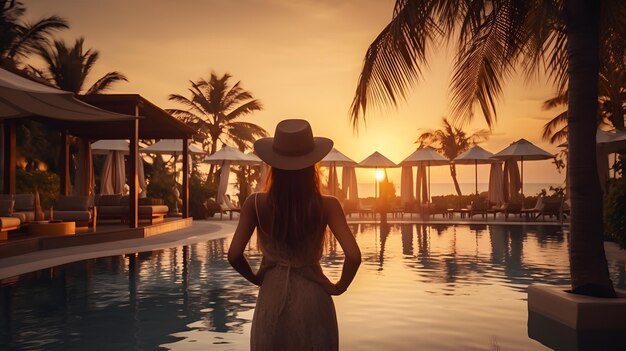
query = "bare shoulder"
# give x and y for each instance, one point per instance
(331, 203)
(253, 200)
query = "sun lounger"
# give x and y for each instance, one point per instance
(228, 206)
(77, 209)
(6, 224)
(480, 206)
(533, 213)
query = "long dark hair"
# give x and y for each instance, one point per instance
(295, 203)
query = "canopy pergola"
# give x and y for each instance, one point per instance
(117, 116)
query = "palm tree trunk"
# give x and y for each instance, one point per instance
(588, 266)
(456, 182)
(209, 177)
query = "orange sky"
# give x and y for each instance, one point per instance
(301, 58)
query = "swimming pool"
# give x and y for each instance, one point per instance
(420, 287)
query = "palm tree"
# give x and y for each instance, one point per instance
(494, 39)
(18, 39)
(611, 98)
(451, 142)
(68, 67)
(214, 109)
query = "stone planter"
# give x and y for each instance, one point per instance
(565, 321)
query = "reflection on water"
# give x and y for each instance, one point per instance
(420, 287)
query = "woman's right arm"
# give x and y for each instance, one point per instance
(243, 233)
(338, 225)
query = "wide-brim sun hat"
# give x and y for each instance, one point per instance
(293, 146)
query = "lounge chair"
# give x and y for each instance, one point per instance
(228, 206)
(438, 207)
(551, 208)
(512, 208)
(77, 209)
(365, 209)
(533, 213)
(6, 221)
(350, 207)
(479, 206)
(23, 206)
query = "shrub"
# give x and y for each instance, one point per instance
(615, 212)
(46, 183)
(199, 192)
(162, 186)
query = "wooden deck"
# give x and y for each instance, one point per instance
(20, 242)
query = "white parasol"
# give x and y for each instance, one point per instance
(475, 155)
(496, 183)
(332, 160)
(377, 160)
(425, 157)
(227, 156)
(522, 150)
(116, 149)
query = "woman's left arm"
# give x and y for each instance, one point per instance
(243, 233)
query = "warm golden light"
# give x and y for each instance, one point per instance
(380, 175)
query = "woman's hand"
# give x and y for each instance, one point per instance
(328, 286)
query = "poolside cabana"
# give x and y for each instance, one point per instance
(93, 117)
(150, 122)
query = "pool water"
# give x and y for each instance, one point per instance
(420, 287)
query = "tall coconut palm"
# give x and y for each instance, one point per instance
(68, 67)
(452, 141)
(18, 39)
(215, 109)
(495, 38)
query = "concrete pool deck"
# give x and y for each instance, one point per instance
(33, 261)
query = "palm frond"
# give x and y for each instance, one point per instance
(105, 82)
(191, 105)
(485, 60)
(393, 61)
(245, 109)
(30, 35)
(556, 101)
(555, 126)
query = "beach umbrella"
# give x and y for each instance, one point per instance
(475, 155)
(337, 158)
(377, 160)
(511, 183)
(227, 156)
(496, 184)
(425, 157)
(102, 147)
(607, 142)
(110, 183)
(254, 159)
(223, 183)
(232, 154)
(333, 180)
(348, 180)
(522, 150)
(610, 141)
(421, 186)
(171, 147)
(406, 185)
(333, 160)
